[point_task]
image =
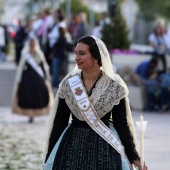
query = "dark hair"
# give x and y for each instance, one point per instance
(151, 72)
(61, 31)
(61, 15)
(93, 48)
(154, 60)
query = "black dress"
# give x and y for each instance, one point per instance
(83, 149)
(32, 91)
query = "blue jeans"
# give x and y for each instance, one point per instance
(56, 66)
(2, 55)
(152, 101)
(165, 98)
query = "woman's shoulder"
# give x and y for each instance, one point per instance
(63, 88)
(118, 82)
(64, 85)
(115, 79)
(118, 79)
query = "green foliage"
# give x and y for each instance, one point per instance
(115, 34)
(152, 9)
(77, 6)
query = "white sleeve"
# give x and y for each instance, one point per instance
(151, 38)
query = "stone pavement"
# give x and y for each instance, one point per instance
(157, 137)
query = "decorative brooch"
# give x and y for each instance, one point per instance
(78, 91)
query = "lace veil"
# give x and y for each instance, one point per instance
(107, 67)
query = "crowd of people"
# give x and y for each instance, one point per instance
(54, 36)
(155, 84)
(152, 76)
(154, 73)
(41, 55)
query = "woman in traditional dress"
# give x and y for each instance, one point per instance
(100, 134)
(32, 93)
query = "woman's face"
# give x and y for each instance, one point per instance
(83, 58)
(32, 45)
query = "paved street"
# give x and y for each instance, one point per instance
(28, 140)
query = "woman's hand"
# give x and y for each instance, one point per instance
(138, 164)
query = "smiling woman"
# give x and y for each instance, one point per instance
(86, 62)
(101, 133)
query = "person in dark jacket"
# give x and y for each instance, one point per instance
(59, 57)
(153, 91)
(144, 68)
(19, 41)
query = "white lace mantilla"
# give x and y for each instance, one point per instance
(105, 95)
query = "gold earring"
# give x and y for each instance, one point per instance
(96, 66)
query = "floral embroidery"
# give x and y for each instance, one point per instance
(78, 91)
(105, 95)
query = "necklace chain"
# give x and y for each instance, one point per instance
(92, 80)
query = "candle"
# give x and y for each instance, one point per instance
(141, 143)
(141, 119)
(141, 125)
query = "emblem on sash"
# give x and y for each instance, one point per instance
(78, 91)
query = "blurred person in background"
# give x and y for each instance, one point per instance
(37, 22)
(166, 33)
(2, 43)
(30, 31)
(32, 93)
(73, 26)
(153, 91)
(143, 70)
(5, 49)
(104, 19)
(145, 67)
(59, 53)
(164, 79)
(53, 33)
(158, 42)
(82, 27)
(42, 32)
(96, 31)
(19, 40)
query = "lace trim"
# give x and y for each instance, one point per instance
(105, 95)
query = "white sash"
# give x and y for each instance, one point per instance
(91, 117)
(34, 65)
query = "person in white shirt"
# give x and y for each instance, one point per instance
(167, 38)
(37, 22)
(158, 42)
(96, 31)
